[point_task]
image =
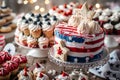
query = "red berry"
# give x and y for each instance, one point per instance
(65, 5)
(41, 75)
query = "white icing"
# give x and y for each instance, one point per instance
(117, 26)
(31, 39)
(28, 15)
(33, 27)
(62, 17)
(60, 77)
(22, 77)
(46, 27)
(114, 18)
(61, 7)
(24, 25)
(108, 26)
(45, 77)
(19, 22)
(116, 14)
(22, 37)
(103, 18)
(94, 27)
(51, 11)
(37, 70)
(107, 12)
(43, 40)
(96, 15)
(83, 28)
(98, 11)
(17, 32)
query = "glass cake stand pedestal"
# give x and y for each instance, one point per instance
(83, 67)
(34, 54)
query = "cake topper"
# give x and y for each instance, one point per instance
(61, 51)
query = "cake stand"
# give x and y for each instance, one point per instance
(103, 60)
(35, 52)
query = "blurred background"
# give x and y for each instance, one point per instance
(43, 6)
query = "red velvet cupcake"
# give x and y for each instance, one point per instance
(103, 19)
(117, 29)
(108, 28)
(4, 74)
(12, 66)
(22, 60)
(4, 56)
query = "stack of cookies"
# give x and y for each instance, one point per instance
(6, 18)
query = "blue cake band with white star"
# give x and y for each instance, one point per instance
(85, 59)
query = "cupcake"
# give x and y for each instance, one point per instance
(107, 12)
(17, 34)
(38, 68)
(114, 20)
(23, 39)
(12, 66)
(22, 60)
(32, 42)
(48, 29)
(103, 19)
(25, 75)
(19, 22)
(63, 76)
(5, 56)
(41, 76)
(35, 30)
(117, 29)
(4, 74)
(24, 28)
(108, 28)
(43, 42)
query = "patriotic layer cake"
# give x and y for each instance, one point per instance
(82, 37)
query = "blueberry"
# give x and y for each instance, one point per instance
(45, 16)
(0, 17)
(23, 18)
(54, 18)
(26, 21)
(30, 19)
(35, 23)
(39, 15)
(48, 14)
(32, 15)
(48, 23)
(47, 19)
(40, 23)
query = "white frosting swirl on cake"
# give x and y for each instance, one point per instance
(43, 40)
(96, 15)
(117, 26)
(108, 26)
(45, 77)
(94, 27)
(83, 27)
(98, 11)
(74, 20)
(22, 77)
(34, 27)
(19, 22)
(103, 18)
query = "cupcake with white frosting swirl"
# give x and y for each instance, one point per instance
(117, 29)
(108, 28)
(103, 19)
(43, 42)
(48, 29)
(24, 27)
(42, 76)
(63, 76)
(35, 30)
(32, 42)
